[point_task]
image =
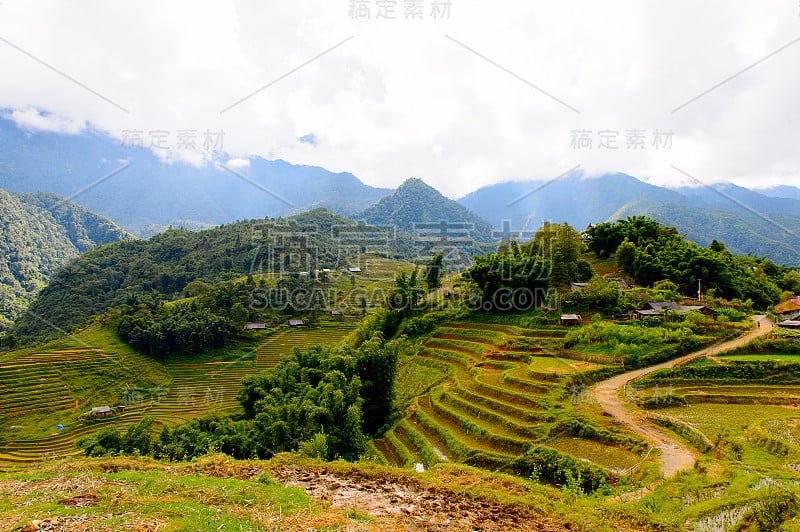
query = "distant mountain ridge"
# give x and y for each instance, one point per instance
(147, 191)
(579, 201)
(39, 234)
(147, 195)
(747, 221)
(781, 191)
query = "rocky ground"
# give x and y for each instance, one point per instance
(416, 507)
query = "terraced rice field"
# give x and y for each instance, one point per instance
(35, 385)
(194, 390)
(496, 402)
(54, 386)
(712, 419)
(285, 342)
(762, 415)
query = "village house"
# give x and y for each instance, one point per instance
(788, 310)
(296, 323)
(664, 306)
(570, 320)
(100, 411)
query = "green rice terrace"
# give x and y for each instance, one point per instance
(748, 395)
(490, 393)
(739, 411)
(53, 384)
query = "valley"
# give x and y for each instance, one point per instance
(378, 378)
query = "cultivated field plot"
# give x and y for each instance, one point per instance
(750, 401)
(285, 342)
(194, 390)
(498, 390)
(712, 419)
(53, 386)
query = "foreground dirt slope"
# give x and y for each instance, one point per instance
(289, 493)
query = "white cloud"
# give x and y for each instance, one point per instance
(35, 120)
(238, 163)
(400, 99)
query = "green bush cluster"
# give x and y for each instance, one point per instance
(734, 372)
(650, 252)
(551, 466)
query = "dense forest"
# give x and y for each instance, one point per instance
(324, 401)
(650, 252)
(41, 233)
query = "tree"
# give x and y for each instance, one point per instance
(716, 246)
(8, 341)
(563, 245)
(626, 255)
(239, 314)
(433, 273)
(406, 295)
(513, 278)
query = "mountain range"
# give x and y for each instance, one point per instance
(747, 221)
(145, 194)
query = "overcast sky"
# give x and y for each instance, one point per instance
(489, 92)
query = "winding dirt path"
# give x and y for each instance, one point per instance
(675, 455)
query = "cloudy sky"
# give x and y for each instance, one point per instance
(489, 92)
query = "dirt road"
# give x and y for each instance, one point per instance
(675, 455)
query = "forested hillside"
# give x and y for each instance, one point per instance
(650, 252)
(415, 202)
(162, 267)
(40, 233)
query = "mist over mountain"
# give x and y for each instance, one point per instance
(145, 195)
(748, 221)
(136, 188)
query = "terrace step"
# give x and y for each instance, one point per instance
(459, 445)
(524, 415)
(488, 420)
(479, 434)
(389, 452)
(499, 422)
(416, 444)
(436, 444)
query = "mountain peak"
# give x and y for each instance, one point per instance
(416, 202)
(416, 183)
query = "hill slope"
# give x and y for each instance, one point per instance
(161, 267)
(743, 232)
(39, 233)
(416, 202)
